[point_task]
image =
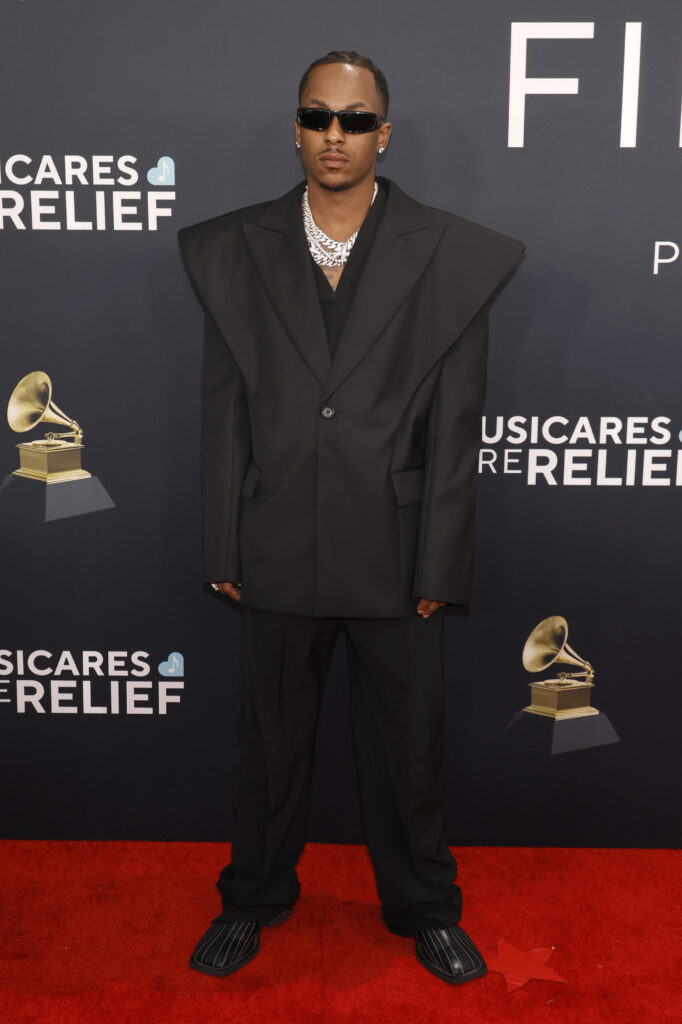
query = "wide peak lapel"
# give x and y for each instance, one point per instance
(404, 243)
(279, 250)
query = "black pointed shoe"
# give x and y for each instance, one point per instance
(449, 953)
(228, 945)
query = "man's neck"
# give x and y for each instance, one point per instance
(340, 213)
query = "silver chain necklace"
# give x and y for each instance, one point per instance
(326, 251)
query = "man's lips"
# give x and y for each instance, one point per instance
(333, 159)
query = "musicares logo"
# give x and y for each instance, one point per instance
(78, 193)
(604, 451)
(89, 682)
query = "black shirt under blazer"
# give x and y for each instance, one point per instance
(336, 304)
(343, 487)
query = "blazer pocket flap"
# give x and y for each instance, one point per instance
(408, 485)
(251, 480)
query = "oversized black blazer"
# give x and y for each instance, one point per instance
(346, 487)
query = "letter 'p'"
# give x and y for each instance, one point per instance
(658, 258)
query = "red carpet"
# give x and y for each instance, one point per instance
(101, 933)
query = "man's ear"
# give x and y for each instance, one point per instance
(384, 134)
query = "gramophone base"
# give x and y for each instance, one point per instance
(559, 736)
(45, 502)
(561, 714)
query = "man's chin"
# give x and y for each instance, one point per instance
(335, 180)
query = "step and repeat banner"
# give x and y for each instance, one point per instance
(556, 123)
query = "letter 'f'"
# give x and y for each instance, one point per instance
(520, 85)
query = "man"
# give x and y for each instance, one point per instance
(343, 384)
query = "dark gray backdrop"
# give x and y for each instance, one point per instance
(585, 329)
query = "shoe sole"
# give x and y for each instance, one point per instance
(469, 976)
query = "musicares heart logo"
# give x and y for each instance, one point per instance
(174, 666)
(163, 173)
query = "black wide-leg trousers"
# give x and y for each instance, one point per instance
(396, 678)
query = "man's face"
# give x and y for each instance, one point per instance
(332, 158)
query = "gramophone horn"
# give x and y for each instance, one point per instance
(31, 402)
(547, 644)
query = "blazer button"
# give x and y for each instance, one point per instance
(328, 411)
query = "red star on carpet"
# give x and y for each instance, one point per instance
(518, 967)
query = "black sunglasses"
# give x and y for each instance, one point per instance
(317, 119)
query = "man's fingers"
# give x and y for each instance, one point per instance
(425, 608)
(232, 590)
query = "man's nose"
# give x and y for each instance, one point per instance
(335, 132)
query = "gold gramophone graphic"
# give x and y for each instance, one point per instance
(50, 482)
(560, 716)
(52, 457)
(567, 696)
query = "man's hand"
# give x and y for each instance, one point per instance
(228, 590)
(426, 607)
